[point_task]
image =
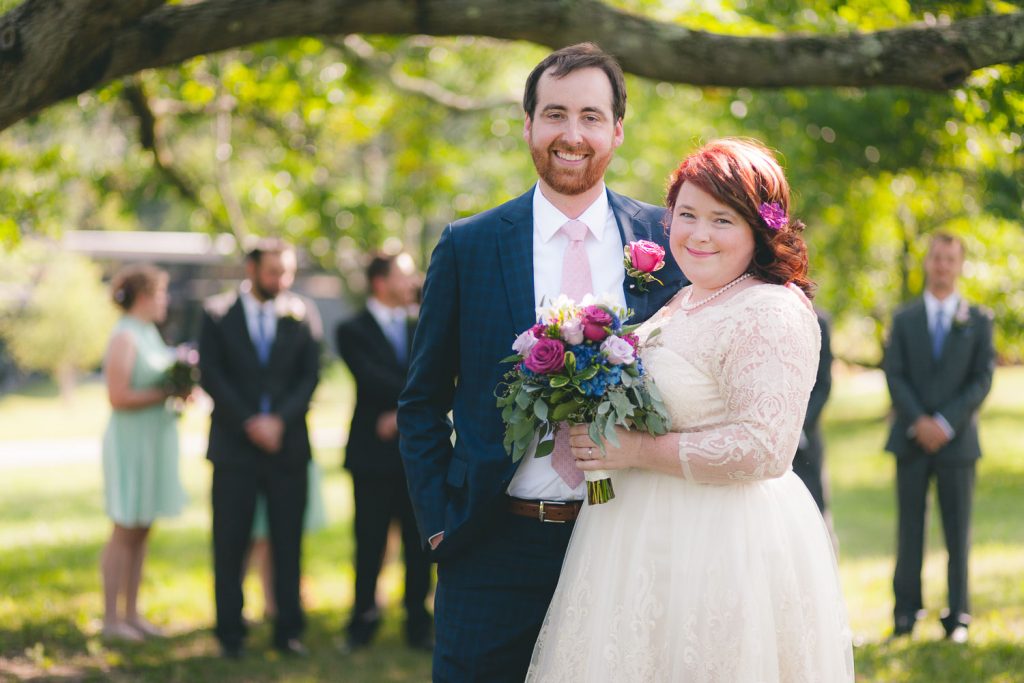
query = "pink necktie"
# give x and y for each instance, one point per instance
(576, 283)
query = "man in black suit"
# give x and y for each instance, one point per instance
(375, 345)
(809, 462)
(939, 364)
(259, 355)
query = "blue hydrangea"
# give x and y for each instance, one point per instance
(598, 384)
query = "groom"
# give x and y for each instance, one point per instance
(499, 529)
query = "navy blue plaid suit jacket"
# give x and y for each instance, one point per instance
(478, 295)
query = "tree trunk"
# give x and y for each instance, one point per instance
(66, 377)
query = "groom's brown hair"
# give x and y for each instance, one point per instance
(568, 59)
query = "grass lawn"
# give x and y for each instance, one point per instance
(52, 527)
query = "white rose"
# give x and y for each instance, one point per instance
(572, 331)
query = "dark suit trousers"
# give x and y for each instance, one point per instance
(234, 502)
(955, 485)
(378, 500)
(491, 600)
(807, 466)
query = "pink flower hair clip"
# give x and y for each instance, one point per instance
(773, 215)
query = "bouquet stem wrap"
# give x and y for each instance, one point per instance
(599, 486)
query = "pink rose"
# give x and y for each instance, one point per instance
(595, 319)
(538, 330)
(546, 357)
(632, 339)
(646, 256)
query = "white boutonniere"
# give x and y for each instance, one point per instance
(962, 316)
(291, 307)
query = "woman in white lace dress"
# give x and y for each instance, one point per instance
(713, 563)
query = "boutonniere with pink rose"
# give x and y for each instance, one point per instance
(962, 315)
(642, 258)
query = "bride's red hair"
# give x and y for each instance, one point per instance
(743, 174)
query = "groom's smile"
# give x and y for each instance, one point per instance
(572, 131)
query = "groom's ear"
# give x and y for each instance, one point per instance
(527, 125)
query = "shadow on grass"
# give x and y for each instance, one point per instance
(194, 656)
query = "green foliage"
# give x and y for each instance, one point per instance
(348, 144)
(63, 324)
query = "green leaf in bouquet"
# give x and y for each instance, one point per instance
(631, 371)
(626, 378)
(652, 389)
(523, 400)
(594, 432)
(544, 448)
(603, 407)
(609, 433)
(515, 416)
(655, 424)
(629, 329)
(559, 381)
(562, 411)
(558, 396)
(570, 363)
(589, 373)
(521, 428)
(514, 358)
(540, 409)
(621, 404)
(654, 333)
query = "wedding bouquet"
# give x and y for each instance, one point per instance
(182, 375)
(579, 364)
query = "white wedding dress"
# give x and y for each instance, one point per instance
(727, 574)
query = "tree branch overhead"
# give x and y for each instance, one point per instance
(53, 50)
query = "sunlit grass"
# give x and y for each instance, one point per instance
(52, 527)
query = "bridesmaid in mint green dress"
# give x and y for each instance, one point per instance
(140, 446)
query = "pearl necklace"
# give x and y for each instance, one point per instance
(687, 306)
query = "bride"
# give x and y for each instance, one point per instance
(713, 563)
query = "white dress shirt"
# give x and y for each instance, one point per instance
(388, 318)
(252, 309)
(536, 479)
(948, 306)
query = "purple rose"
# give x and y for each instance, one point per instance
(633, 340)
(646, 256)
(538, 330)
(618, 350)
(595, 319)
(546, 357)
(524, 342)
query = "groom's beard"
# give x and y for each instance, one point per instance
(570, 181)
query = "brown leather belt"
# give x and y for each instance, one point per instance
(557, 512)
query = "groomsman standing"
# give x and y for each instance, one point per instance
(375, 345)
(259, 355)
(939, 364)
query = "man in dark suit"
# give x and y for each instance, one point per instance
(499, 529)
(259, 355)
(939, 364)
(809, 462)
(375, 345)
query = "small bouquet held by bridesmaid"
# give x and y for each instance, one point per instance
(182, 375)
(579, 364)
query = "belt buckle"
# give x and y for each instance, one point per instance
(543, 518)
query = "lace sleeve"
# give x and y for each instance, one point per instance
(767, 362)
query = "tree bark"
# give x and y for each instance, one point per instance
(53, 50)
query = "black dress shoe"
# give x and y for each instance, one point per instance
(292, 647)
(362, 629)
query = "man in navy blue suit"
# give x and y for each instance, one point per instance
(497, 529)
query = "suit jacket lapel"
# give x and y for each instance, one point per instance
(515, 246)
(630, 230)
